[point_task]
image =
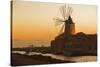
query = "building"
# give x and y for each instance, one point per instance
(70, 43)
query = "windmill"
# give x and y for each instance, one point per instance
(67, 24)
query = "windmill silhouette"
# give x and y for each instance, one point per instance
(66, 22)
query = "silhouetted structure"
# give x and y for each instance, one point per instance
(70, 43)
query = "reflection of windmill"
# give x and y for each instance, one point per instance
(68, 23)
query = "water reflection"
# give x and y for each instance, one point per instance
(61, 57)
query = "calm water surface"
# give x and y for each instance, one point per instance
(62, 57)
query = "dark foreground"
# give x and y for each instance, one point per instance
(19, 60)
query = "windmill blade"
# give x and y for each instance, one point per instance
(69, 11)
(63, 11)
(58, 21)
(61, 30)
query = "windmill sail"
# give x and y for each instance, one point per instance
(62, 29)
(66, 15)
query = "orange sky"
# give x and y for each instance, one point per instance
(34, 20)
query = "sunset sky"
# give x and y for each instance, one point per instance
(34, 20)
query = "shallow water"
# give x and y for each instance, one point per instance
(62, 57)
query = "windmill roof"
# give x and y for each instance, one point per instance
(69, 21)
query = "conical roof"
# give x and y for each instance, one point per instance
(70, 20)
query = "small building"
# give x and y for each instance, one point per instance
(74, 43)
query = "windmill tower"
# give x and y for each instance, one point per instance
(68, 24)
